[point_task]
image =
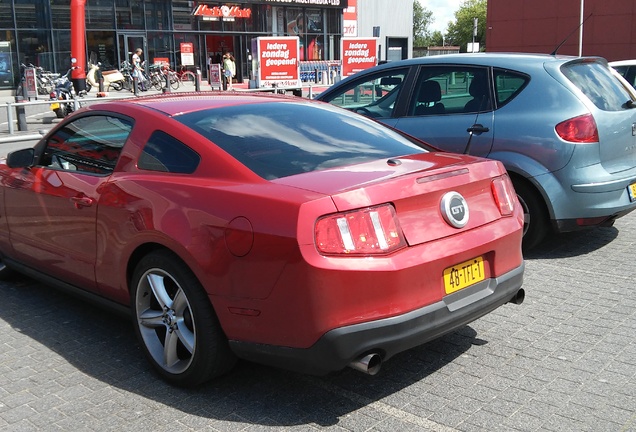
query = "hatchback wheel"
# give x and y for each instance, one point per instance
(175, 322)
(535, 218)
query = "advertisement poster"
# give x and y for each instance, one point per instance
(307, 25)
(278, 64)
(31, 84)
(358, 54)
(187, 54)
(215, 76)
(6, 67)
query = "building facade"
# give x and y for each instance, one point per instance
(37, 32)
(540, 26)
(391, 22)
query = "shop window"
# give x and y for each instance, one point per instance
(182, 16)
(129, 14)
(31, 14)
(6, 14)
(100, 14)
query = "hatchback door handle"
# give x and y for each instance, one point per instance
(82, 201)
(477, 129)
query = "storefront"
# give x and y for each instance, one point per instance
(38, 32)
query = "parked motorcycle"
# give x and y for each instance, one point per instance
(63, 91)
(112, 78)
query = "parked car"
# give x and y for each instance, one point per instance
(275, 229)
(562, 126)
(627, 69)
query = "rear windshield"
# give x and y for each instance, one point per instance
(596, 81)
(286, 138)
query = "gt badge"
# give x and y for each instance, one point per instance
(454, 209)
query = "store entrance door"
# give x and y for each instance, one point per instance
(127, 44)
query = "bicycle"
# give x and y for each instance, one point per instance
(185, 76)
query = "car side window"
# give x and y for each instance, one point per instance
(451, 90)
(165, 153)
(374, 96)
(508, 85)
(90, 144)
(627, 72)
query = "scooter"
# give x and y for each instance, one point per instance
(112, 78)
(63, 91)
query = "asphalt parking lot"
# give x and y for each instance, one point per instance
(565, 360)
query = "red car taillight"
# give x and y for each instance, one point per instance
(580, 129)
(370, 231)
(503, 191)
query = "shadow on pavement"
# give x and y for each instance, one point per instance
(573, 244)
(101, 344)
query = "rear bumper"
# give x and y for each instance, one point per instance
(337, 348)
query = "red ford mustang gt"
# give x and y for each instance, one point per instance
(279, 230)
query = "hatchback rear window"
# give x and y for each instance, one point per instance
(282, 139)
(596, 81)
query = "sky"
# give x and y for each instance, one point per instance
(443, 12)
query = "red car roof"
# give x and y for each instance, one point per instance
(180, 103)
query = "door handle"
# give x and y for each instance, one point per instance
(82, 201)
(477, 129)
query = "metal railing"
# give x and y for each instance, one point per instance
(16, 111)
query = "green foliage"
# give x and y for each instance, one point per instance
(460, 32)
(422, 19)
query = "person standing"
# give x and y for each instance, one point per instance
(137, 71)
(229, 70)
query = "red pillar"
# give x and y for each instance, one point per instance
(78, 43)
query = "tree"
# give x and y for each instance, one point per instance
(460, 32)
(422, 19)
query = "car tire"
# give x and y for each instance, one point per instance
(535, 215)
(175, 322)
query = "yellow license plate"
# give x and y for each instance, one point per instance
(55, 106)
(632, 191)
(464, 275)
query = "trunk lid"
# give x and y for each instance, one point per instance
(415, 185)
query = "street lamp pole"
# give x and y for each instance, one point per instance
(581, 30)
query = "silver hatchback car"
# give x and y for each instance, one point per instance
(564, 127)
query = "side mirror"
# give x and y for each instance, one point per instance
(21, 158)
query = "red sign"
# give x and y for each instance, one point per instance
(278, 58)
(31, 84)
(358, 54)
(350, 20)
(224, 12)
(186, 47)
(187, 53)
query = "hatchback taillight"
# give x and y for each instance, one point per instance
(504, 194)
(580, 129)
(370, 231)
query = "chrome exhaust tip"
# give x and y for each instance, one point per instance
(369, 364)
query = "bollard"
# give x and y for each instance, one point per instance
(167, 89)
(101, 81)
(22, 123)
(135, 86)
(197, 81)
